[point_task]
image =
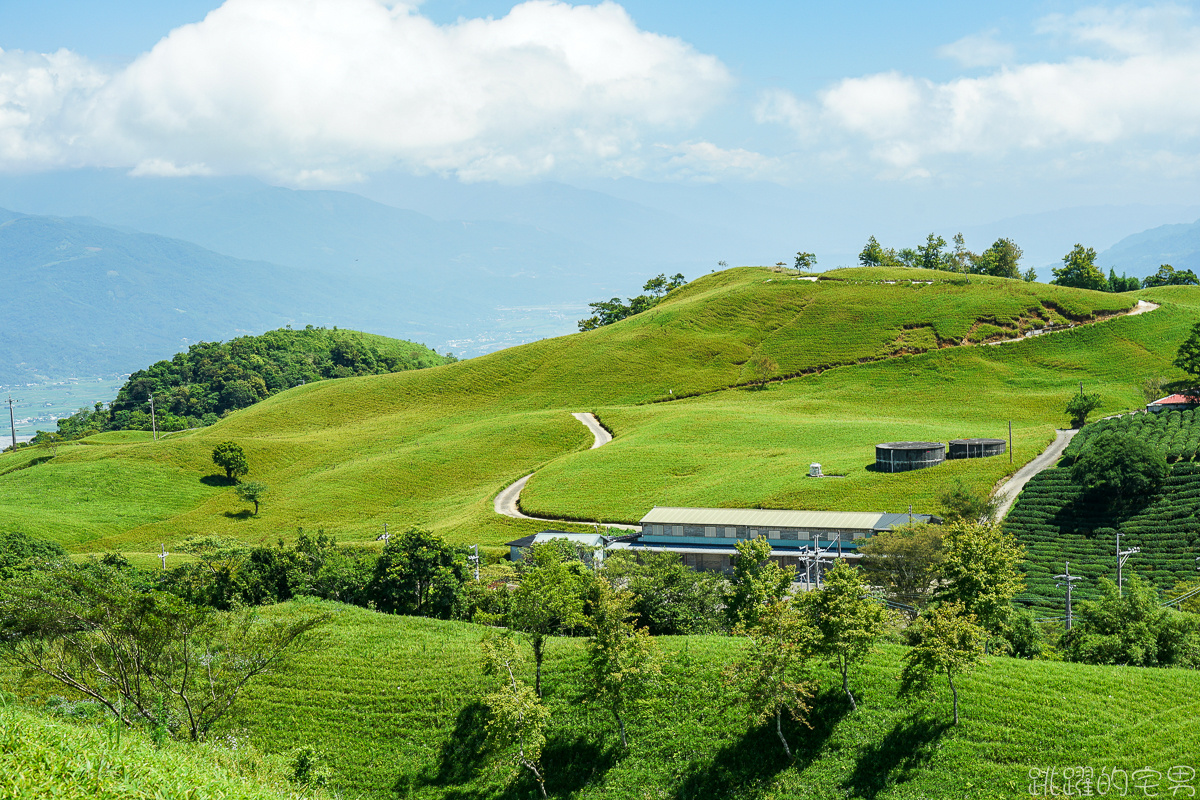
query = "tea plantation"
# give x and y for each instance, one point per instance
(1058, 522)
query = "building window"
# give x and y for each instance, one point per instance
(731, 533)
(753, 533)
(773, 534)
(789, 535)
(710, 532)
(677, 530)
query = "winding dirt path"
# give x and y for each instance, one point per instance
(508, 502)
(1007, 494)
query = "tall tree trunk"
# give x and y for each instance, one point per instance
(950, 677)
(538, 652)
(541, 782)
(846, 683)
(621, 725)
(779, 731)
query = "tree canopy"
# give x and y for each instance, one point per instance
(1080, 271)
(1119, 466)
(1187, 357)
(609, 311)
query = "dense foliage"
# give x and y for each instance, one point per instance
(1001, 260)
(211, 379)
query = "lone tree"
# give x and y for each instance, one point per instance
(981, 570)
(805, 261)
(517, 719)
(847, 620)
(1120, 466)
(230, 457)
(1079, 406)
(905, 561)
(756, 583)
(251, 492)
(623, 660)
(762, 366)
(1187, 358)
(949, 641)
(772, 676)
(1080, 271)
(549, 600)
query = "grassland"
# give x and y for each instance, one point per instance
(44, 757)
(394, 702)
(433, 447)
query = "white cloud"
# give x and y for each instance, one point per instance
(324, 90)
(1138, 95)
(978, 50)
(707, 161)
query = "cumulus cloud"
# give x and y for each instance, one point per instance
(1138, 92)
(328, 89)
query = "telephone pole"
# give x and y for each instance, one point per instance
(475, 559)
(1122, 557)
(12, 421)
(1010, 456)
(1070, 579)
(163, 556)
(153, 421)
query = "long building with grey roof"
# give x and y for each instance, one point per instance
(705, 537)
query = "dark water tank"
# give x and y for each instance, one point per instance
(976, 448)
(906, 456)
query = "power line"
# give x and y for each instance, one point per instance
(1069, 579)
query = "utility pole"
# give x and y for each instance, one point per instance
(12, 420)
(475, 560)
(163, 556)
(1069, 578)
(1122, 557)
(153, 421)
(385, 536)
(1010, 442)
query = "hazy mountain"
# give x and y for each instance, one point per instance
(85, 298)
(1142, 253)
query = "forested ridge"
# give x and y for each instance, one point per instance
(210, 379)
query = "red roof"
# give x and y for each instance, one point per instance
(1177, 400)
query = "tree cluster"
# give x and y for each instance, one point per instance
(1079, 270)
(606, 312)
(1002, 259)
(211, 379)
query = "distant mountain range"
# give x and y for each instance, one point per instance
(1142, 253)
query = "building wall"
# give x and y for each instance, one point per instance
(700, 534)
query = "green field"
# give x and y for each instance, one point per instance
(394, 701)
(433, 447)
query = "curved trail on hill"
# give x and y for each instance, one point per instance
(1007, 494)
(508, 502)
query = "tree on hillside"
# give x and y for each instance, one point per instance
(905, 561)
(930, 255)
(756, 582)
(772, 675)
(517, 719)
(1029, 275)
(1169, 276)
(875, 255)
(947, 640)
(1130, 628)
(623, 661)
(1079, 270)
(669, 597)
(549, 600)
(1187, 357)
(1079, 406)
(981, 571)
(20, 552)
(805, 261)
(762, 367)
(960, 502)
(1120, 467)
(251, 492)
(609, 311)
(145, 655)
(418, 573)
(230, 457)
(1122, 283)
(1002, 260)
(847, 620)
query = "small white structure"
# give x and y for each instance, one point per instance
(592, 544)
(814, 470)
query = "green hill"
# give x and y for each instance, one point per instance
(394, 703)
(433, 447)
(45, 757)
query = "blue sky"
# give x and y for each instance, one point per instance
(1021, 105)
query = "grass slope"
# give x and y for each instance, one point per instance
(394, 702)
(45, 757)
(434, 447)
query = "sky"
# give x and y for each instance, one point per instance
(1029, 104)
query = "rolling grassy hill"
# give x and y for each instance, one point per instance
(434, 447)
(394, 702)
